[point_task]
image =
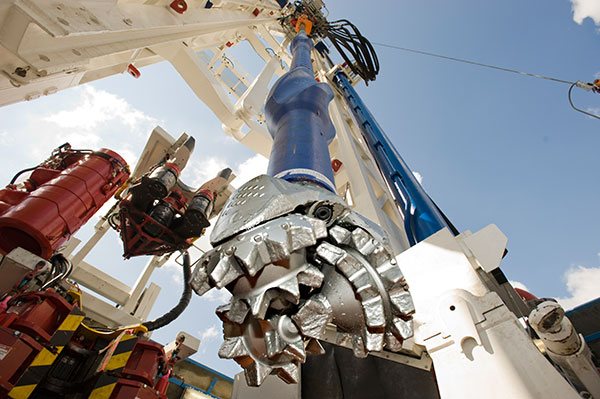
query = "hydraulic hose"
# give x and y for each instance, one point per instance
(183, 301)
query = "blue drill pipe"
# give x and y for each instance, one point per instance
(299, 122)
(422, 217)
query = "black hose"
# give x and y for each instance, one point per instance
(15, 177)
(61, 268)
(183, 302)
(354, 48)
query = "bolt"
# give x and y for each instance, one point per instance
(323, 212)
(22, 72)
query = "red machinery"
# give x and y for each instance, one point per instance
(45, 349)
(61, 194)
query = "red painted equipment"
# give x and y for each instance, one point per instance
(128, 389)
(133, 71)
(145, 362)
(179, 6)
(17, 352)
(525, 295)
(33, 322)
(61, 195)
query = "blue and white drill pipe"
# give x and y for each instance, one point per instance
(299, 122)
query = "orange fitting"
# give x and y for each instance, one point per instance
(303, 20)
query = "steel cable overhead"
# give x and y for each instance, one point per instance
(585, 86)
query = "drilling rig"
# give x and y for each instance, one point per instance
(347, 280)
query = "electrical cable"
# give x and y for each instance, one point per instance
(474, 63)
(350, 43)
(19, 173)
(577, 109)
(62, 264)
(183, 301)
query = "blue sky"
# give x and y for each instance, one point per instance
(492, 147)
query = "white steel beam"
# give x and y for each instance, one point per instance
(47, 46)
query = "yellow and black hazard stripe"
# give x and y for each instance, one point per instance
(108, 379)
(42, 363)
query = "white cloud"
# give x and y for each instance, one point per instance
(518, 284)
(209, 333)
(199, 172)
(98, 107)
(594, 111)
(582, 285)
(418, 176)
(174, 269)
(583, 9)
(6, 139)
(215, 295)
(90, 119)
(249, 169)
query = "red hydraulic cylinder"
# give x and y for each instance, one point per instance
(56, 203)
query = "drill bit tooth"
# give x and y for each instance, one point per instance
(311, 277)
(249, 255)
(349, 265)
(238, 310)
(330, 253)
(256, 373)
(302, 235)
(274, 343)
(289, 373)
(313, 316)
(278, 247)
(392, 343)
(232, 348)
(259, 303)
(296, 350)
(373, 341)
(200, 282)
(358, 346)
(374, 312)
(290, 286)
(402, 302)
(379, 257)
(340, 235)
(223, 310)
(367, 292)
(314, 347)
(390, 274)
(226, 270)
(319, 228)
(402, 328)
(360, 278)
(363, 242)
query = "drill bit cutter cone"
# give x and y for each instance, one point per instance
(293, 253)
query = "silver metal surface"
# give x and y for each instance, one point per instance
(262, 199)
(297, 259)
